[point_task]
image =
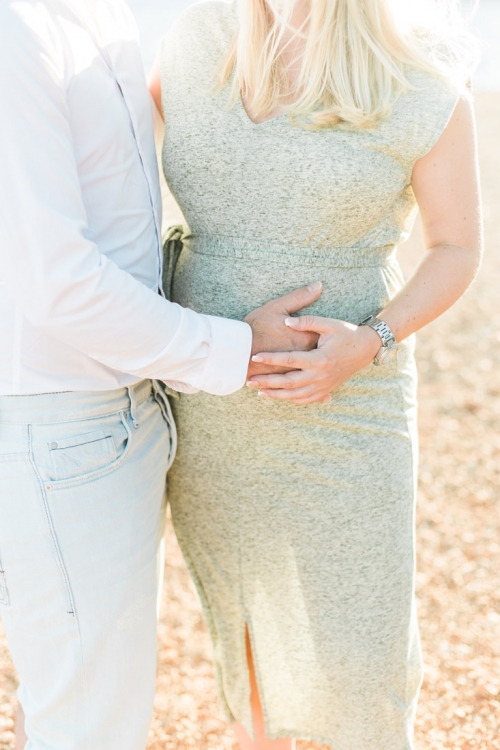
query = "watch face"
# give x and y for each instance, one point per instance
(386, 356)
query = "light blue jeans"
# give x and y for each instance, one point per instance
(82, 506)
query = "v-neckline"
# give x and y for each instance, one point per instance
(254, 124)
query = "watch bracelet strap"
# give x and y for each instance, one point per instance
(382, 329)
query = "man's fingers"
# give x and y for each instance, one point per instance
(309, 323)
(295, 379)
(298, 396)
(290, 360)
(301, 297)
(315, 399)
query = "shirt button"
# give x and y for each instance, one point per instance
(53, 446)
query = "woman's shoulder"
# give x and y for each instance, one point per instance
(432, 91)
(421, 114)
(206, 24)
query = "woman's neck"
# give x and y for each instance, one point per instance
(293, 46)
(292, 51)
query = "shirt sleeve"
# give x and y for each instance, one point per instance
(55, 273)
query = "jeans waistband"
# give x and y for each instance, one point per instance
(52, 408)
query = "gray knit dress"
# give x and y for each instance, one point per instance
(298, 521)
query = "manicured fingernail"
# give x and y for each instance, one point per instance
(289, 321)
(256, 358)
(252, 384)
(315, 286)
(261, 393)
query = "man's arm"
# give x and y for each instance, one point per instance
(57, 276)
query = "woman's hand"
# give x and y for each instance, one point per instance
(343, 349)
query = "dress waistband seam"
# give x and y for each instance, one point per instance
(248, 249)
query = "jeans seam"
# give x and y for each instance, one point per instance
(48, 518)
(64, 574)
(4, 591)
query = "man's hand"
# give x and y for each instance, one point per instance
(270, 334)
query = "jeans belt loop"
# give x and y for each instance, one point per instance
(133, 405)
(163, 402)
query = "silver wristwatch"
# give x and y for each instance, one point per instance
(389, 344)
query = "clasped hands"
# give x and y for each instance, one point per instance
(303, 359)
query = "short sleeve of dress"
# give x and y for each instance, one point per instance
(422, 114)
(174, 45)
(180, 49)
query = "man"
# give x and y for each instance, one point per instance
(86, 434)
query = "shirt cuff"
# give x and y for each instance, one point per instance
(226, 368)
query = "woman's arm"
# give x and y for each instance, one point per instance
(154, 85)
(446, 186)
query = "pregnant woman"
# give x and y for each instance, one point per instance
(299, 139)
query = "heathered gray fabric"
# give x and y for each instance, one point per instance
(298, 521)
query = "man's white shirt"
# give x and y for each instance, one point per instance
(80, 215)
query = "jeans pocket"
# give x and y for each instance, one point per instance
(82, 454)
(4, 592)
(88, 454)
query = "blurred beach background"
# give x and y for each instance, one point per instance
(458, 521)
(154, 18)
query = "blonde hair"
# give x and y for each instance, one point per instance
(356, 56)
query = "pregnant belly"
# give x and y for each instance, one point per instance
(232, 287)
(375, 400)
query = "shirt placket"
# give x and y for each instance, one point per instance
(135, 130)
(135, 133)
